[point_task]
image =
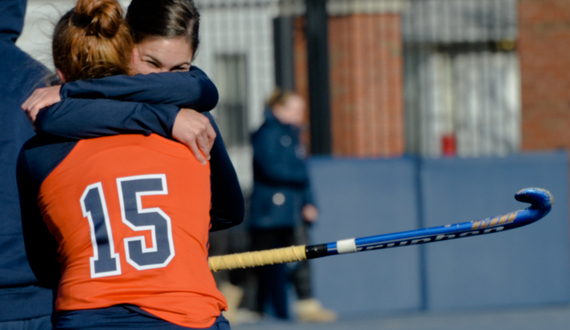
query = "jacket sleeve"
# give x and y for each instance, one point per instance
(41, 246)
(191, 89)
(228, 207)
(274, 164)
(82, 118)
(308, 196)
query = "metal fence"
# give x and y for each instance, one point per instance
(236, 50)
(450, 65)
(462, 77)
(460, 84)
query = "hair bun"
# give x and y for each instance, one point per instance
(98, 17)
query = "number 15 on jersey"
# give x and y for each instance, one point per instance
(105, 260)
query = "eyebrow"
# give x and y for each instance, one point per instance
(160, 63)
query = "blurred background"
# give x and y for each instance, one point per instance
(421, 113)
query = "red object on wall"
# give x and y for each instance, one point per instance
(448, 145)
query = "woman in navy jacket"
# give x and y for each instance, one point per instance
(281, 183)
(282, 206)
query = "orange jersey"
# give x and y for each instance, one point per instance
(131, 216)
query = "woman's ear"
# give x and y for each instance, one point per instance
(60, 75)
(135, 59)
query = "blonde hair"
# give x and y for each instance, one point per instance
(92, 41)
(279, 97)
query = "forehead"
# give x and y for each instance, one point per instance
(295, 100)
(167, 49)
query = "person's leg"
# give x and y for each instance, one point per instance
(275, 281)
(301, 276)
(272, 280)
(307, 308)
(218, 245)
(260, 240)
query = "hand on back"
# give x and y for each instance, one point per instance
(195, 131)
(41, 98)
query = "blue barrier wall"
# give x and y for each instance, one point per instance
(525, 266)
(529, 265)
(361, 198)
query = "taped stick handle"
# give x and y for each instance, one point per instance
(257, 258)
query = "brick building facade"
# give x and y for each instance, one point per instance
(544, 49)
(367, 107)
(366, 81)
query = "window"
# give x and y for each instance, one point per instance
(231, 112)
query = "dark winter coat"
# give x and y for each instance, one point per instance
(20, 295)
(281, 181)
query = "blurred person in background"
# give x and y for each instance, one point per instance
(282, 208)
(24, 304)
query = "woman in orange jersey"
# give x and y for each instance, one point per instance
(123, 219)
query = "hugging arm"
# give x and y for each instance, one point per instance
(191, 89)
(227, 199)
(82, 118)
(96, 116)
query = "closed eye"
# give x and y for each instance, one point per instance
(153, 64)
(180, 68)
(152, 61)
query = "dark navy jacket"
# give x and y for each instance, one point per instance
(281, 182)
(153, 103)
(20, 297)
(147, 104)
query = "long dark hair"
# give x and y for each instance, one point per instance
(151, 19)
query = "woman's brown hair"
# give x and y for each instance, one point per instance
(92, 41)
(279, 97)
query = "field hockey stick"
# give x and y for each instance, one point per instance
(540, 200)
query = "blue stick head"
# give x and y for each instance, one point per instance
(539, 198)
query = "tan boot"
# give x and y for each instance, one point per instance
(245, 316)
(233, 296)
(311, 310)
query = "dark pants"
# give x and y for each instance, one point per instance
(272, 280)
(122, 317)
(301, 275)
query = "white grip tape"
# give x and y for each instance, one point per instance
(346, 246)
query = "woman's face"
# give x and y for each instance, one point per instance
(162, 55)
(292, 112)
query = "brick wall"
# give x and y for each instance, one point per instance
(367, 109)
(366, 79)
(544, 48)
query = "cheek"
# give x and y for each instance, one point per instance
(297, 117)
